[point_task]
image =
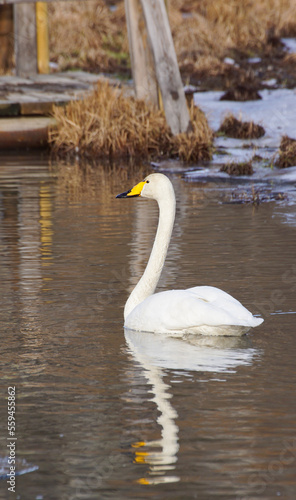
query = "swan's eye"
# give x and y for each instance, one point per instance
(147, 182)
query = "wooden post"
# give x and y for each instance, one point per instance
(6, 37)
(143, 71)
(25, 39)
(42, 37)
(166, 65)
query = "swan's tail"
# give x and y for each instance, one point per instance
(256, 321)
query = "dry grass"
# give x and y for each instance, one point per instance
(287, 153)
(204, 32)
(241, 92)
(88, 35)
(237, 129)
(242, 168)
(213, 28)
(108, 124)
(195, 145)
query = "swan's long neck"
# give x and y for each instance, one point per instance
(147, 284)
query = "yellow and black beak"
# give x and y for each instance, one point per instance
(135, 191)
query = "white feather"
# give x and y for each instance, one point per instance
(202, 310)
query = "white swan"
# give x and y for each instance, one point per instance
(203, 309)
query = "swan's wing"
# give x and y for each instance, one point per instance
(180, 310)
(212, 294)
(222, 300)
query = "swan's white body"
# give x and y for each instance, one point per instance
(203, 309)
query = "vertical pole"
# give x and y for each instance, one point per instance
(166, 65)
(141, 58)
(42, 37)
(25, 39)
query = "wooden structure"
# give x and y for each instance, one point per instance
(26, 104)
(154, 60)
(154, 63)
(144, 77)
(30, 35)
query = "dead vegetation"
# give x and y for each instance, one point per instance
(287, 153)
(92, 35)
(237, 169)
(108, 124)
(211, 30)
(195, 145)
(204, 32)
(241, 92)
(238, 129)
(88, 35)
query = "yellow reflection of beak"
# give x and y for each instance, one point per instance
(140, 457)
(142, 480)
(138, 444)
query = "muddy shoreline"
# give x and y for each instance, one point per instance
(271, 70)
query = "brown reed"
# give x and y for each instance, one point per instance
(238, 129)
(204, 32)
(287, 153)
(238, 168)
(106, 123)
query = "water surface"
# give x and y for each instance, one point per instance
(108, 413)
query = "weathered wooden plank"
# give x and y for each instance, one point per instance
(166, 65)
(9, 80)
(39, 108)
(143, 71)
(24, 132)
(25, 39)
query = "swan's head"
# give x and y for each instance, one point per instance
(155, 186)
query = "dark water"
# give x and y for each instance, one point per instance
(105, 413)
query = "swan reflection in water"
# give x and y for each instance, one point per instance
(155, 352)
